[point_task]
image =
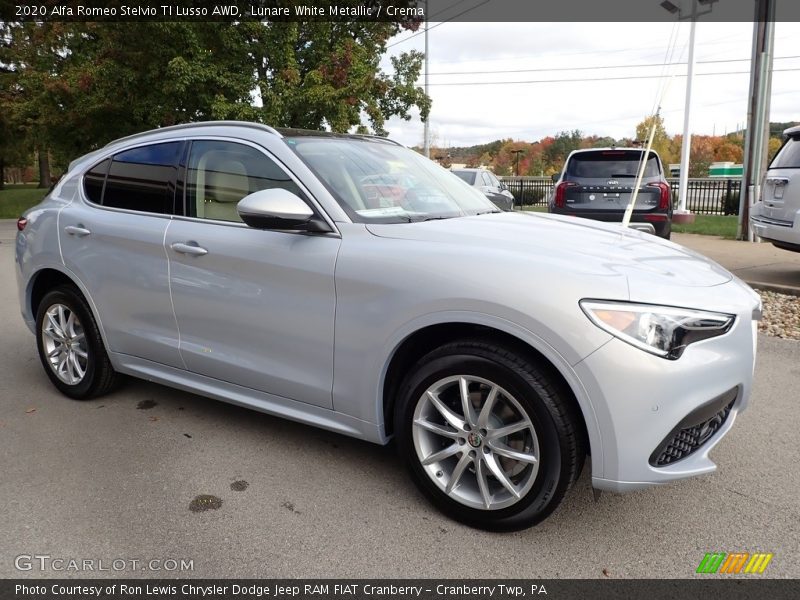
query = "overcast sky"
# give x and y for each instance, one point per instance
(487, 110)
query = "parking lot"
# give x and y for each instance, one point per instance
(113, 478)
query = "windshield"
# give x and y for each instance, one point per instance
(379, 182)
(611, 164)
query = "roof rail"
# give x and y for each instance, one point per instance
(250, 124)
(379, 137)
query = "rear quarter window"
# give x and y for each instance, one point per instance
(143, 179)
(788, 157)
(94, 180)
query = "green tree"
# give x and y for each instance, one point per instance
(323, 73)
(79, 85)
(564, 142)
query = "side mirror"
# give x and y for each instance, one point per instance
(503, 186)
(555, 177)
(278, 208)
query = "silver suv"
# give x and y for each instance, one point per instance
(348, 283)
(776, 217)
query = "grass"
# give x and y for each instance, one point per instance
(16, 199)
(722, 226)
(533, 208)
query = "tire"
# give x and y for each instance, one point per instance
(538, 423)
(70, 346)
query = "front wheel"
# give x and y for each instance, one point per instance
(70, 346)
(487, 436)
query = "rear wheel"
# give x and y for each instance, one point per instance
(70, 346)
(486, 435)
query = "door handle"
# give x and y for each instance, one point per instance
(77, 230)
(188, 248)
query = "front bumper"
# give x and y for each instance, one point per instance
(646, 406)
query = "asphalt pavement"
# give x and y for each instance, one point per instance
(114, 478)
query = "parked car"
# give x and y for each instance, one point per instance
(597, 184)
(491, 186)
(243, 263)
(776, 216)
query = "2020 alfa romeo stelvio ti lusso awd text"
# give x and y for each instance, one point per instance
(274, 270)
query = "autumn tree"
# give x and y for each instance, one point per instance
(661, 142)
(773, 147)
(563, 143)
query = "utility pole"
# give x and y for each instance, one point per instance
(427, 143)
(517, 153)
(686, 146)
(756, 137)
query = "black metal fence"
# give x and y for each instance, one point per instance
(706, 195)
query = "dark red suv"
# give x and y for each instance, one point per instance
(597, 184)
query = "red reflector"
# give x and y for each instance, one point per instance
(664, 196)
(21, 222)
(655, 217)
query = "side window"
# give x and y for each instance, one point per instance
(222, 173)
(143, 179)
(486, 179)
(94, 180)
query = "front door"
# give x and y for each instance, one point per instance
(253, 307)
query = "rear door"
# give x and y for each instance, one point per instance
(112, 238)
(781, 194)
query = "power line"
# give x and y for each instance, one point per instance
(439, 24)
(594, 68)
(578, 80)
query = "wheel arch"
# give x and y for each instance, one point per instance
(48, 278)
(423, 339)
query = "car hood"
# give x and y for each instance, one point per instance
(579, 245)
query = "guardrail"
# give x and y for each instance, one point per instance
(706, 195)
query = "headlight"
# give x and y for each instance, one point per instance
(661, 330)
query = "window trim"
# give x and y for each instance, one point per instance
(110, 156)
(310, 199)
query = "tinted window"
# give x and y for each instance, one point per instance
(222, 173)
(143, 179)
(468, 176)
(94, 179)
(788, 157)
(611, 164)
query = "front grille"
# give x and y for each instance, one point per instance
(685, 440)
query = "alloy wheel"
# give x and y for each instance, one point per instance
(476, 442)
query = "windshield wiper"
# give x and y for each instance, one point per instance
(487, 212)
